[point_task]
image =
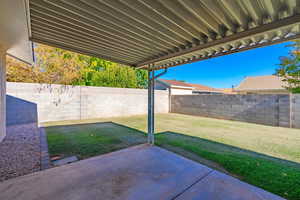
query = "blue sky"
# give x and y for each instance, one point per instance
(225, 71)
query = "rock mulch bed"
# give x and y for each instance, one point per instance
(20, 151)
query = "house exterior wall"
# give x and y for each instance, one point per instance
(46, 103)
(261, 109)
(178, 91)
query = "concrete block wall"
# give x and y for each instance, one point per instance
(28, 102)
(296, 110)
(284, 106)
(113, 102)
(271, 110)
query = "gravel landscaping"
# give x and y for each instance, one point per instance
(20, 151)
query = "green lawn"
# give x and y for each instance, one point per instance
(89, 140)
(265, 156)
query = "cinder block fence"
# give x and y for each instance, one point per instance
(295, 114)
(274, 110)
(27, 102)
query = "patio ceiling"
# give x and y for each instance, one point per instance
(163, 33)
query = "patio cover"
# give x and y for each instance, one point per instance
(151, 34)
(163, 33)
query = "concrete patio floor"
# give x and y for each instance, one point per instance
(136, 173)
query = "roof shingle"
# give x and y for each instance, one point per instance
(269, 82)
(175, 83)
(205, 88)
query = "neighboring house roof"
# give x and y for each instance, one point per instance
(177, 84)
(195, 87)
(204, 88)
(258, 83)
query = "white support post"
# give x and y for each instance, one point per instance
(2, 94)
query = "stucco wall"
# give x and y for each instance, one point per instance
(262, 109)
(174, 90)
(179, 91)
(57, 102)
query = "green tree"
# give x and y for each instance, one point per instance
(289, 68)
(18, 71)
(142, 78)
(58, 66)
(108, 74)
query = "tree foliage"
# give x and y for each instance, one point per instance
(18, 71)
(289, 68)
(99, 72)
(58, 66)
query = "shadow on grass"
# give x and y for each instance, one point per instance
(172, 137)
(273, 174)
(91, 139)
(276, 175)
(216, 147)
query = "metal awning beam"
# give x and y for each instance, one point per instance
(174, 64)
(255, 31)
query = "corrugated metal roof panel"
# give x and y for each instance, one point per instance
(164, 32)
